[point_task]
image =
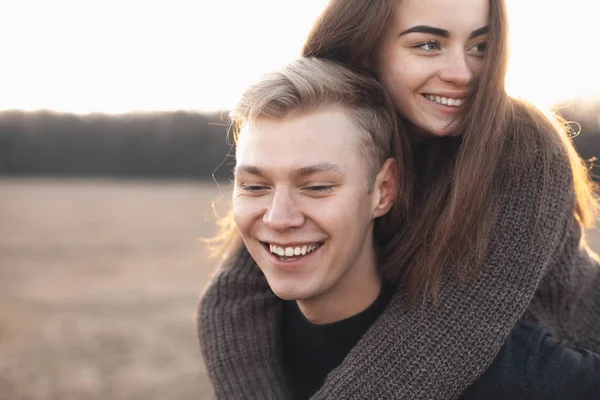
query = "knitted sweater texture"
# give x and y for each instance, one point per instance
(537, 266)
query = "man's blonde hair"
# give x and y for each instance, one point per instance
(307, 84)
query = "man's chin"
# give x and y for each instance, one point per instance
(287, 295)
(287, 292)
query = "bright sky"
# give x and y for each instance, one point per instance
(123, 55)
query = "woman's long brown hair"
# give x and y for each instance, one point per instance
(458, 177)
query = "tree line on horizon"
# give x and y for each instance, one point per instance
(138, 145)
(166, 145)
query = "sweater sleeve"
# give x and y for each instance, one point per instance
(568, 298)
(438, 352)
(582, 320)
(238, 317)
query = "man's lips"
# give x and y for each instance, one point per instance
(291, 251)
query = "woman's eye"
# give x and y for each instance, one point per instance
(430, 45)
(480, 48)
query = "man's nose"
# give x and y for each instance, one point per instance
(282, 213)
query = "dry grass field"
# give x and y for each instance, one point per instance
(98, 286)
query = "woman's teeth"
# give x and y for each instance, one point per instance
(292, 251)
(447, 101)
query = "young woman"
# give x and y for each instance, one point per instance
(495, 232)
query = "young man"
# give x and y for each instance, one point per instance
(314, 171)
(321, 189)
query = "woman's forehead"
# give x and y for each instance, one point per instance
(450, 15)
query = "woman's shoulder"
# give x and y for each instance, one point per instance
(538, 163)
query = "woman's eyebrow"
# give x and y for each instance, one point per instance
(478, 32)
(441, 32)
(426, 29)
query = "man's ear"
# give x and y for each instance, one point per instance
(385, 190)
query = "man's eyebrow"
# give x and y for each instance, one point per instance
(320, 167)
(300, 172)
(441, 32)
(248, 169)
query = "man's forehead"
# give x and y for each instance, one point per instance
(319, 131)
(325, 140)
(320, 120)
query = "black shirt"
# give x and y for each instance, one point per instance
(311, 351)
(531, 364)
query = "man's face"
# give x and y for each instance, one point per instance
(302, 205)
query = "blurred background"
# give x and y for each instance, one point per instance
(113, 149)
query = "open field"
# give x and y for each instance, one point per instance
(98, 286)
(99, 281)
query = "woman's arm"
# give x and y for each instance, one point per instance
(238, 320)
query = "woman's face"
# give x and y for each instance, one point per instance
(429, 58)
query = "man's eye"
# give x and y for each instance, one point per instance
(253, 188)
(430, 45)
(320, 188)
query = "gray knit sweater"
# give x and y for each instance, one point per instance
(538, 268)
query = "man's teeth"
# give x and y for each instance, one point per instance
(447, 101)
(292, 251)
